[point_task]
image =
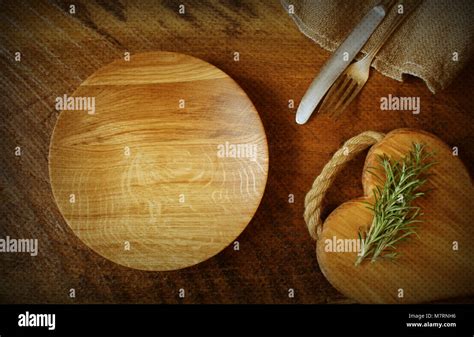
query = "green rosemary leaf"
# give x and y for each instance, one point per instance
(395, 217)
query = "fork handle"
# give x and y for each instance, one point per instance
(390, 29)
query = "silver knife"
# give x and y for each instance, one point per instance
(339, 61)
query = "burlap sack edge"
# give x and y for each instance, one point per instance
(394, 72)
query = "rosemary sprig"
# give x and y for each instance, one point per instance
(395, 217)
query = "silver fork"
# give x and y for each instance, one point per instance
(351, 81)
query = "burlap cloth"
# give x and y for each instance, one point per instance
(422, 46)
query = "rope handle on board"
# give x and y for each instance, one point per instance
(315, 196)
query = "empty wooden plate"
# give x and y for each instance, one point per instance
(169, 167)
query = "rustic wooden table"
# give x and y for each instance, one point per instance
(59, 50)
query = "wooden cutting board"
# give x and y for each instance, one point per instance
(437, 265)
(170, 167)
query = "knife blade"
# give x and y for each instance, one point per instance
(339, 61)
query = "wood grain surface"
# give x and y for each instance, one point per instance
(428, 261)
(276, 64)
(167, 169)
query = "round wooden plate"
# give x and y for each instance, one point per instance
(170, 167)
